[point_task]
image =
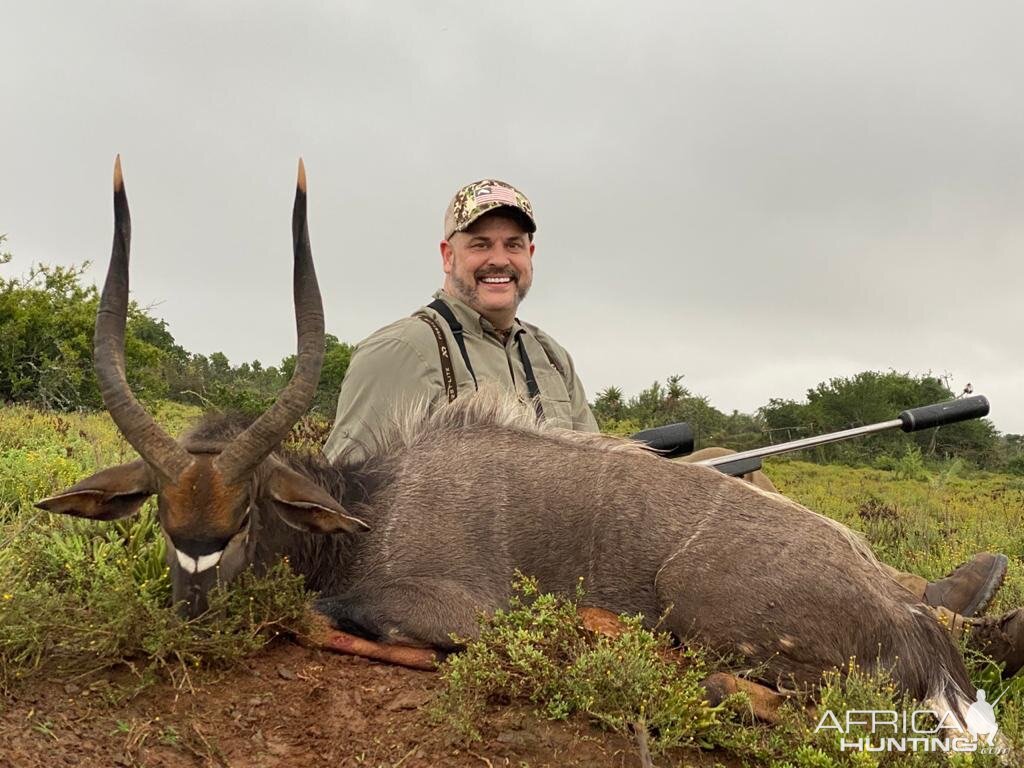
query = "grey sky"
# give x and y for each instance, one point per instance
(759, 196)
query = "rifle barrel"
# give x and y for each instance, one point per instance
(796, 445)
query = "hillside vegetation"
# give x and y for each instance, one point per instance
(46, 327)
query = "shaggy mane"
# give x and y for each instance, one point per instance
(214, 429)
(490, 406)
(369, 466)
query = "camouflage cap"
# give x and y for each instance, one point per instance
(474, 200)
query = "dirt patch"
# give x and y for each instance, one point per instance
(291, 706)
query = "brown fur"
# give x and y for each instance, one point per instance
(199, 504)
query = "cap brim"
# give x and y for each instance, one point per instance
(530, 226)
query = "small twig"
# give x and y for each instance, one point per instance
(93, 670)
(207, 403)
(404, 757)
(481, 757)
(640, 732)
(212, 752)
(22, 523)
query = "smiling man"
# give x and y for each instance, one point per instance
(469, 336)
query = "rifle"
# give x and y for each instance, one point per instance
(675, 440)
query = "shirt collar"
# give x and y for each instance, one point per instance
(471, 320)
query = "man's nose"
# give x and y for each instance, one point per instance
(499, 256)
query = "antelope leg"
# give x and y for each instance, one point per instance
(601, 622)
(323, 635)
(764, 702)
(417, 611)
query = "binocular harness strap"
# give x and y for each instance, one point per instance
(449, 317)
(451, 388)
(531, 382)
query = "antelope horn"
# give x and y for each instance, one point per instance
(153, 444)
(252, 446)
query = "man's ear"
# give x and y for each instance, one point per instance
(108, 495)
(447, 254)
(305, 505)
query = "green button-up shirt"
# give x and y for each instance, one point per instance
(398, 368)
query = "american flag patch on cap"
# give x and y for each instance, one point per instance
(495, 194)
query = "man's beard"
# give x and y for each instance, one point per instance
(470, 292)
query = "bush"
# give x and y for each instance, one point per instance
(871, 397)
(47, 321)
(46, 337)
(538, 652)
(80, 597)
(910, 466)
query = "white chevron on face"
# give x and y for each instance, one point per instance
(200, 564)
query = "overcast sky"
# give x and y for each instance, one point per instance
(758, 196)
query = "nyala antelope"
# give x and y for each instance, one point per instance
(408, 545)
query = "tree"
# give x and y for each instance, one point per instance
(46, 340)
(659, 405)
(609, 405)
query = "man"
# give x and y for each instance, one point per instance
(487, 257)
(469, 337)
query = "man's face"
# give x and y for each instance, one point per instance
(489, 267)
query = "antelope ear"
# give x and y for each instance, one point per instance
(305, 505)
(108, 495)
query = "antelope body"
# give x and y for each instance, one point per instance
(410, 544)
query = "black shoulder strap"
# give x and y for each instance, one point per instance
(531, 380)
(447, 374)
(449, 317)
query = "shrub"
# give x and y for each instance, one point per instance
(79, 597)
(538, 652)
(910, 466)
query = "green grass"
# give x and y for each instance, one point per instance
(926, 526)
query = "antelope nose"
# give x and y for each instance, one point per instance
(195, 604)
(191, 592)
